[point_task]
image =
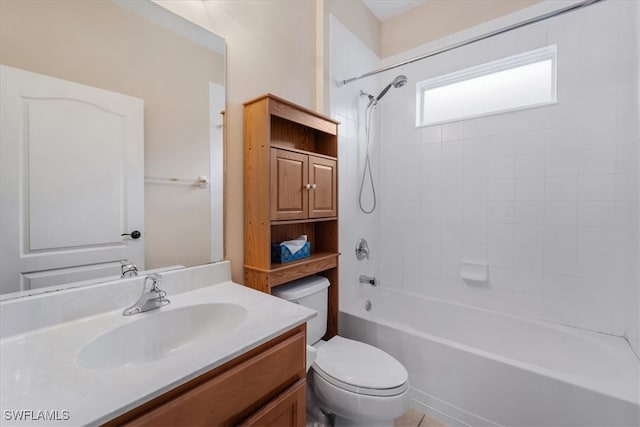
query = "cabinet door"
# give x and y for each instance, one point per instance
(322, 196)
(286, 410)
(236, 393)
(289, 176)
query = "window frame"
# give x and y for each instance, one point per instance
(519, 60)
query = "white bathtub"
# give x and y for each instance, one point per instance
(469, 366)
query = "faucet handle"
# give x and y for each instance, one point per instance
(154, 279)
(362, 249)
(152, 296)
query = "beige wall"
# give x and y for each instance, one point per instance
(270, 48)
(359, 19)
(102, 45)
(281, 46)
(276, 46)
(438, 18)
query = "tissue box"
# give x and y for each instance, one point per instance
(280, 253)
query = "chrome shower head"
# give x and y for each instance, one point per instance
(399, 81)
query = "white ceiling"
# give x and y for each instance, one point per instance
(386, 9)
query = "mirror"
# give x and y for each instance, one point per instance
(111, 143)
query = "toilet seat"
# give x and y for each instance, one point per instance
(360, 368)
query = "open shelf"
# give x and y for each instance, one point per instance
(283, 273)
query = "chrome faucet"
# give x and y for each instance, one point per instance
(152, 296)
(128, 269)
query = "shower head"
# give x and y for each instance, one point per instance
(399, 81)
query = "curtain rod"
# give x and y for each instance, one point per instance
(473, 40)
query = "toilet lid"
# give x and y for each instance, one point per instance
(360, 367)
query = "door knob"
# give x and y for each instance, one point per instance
(135, 234)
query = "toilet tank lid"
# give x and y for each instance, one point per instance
(300, 288)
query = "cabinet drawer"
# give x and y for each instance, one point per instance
(236, 393)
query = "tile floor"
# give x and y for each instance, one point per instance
(414, 418)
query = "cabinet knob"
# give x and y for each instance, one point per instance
(308, 186)
(313, 186)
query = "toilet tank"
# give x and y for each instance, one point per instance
(309, 292)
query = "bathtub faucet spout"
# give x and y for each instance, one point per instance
(368, 280)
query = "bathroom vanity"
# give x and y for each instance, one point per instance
(218, 354)
(265, 386)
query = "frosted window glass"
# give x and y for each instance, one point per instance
(499, 86)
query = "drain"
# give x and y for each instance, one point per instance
(367, 305)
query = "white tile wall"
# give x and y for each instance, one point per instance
(350, 57)
(548, 197)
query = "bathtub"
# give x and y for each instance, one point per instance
(470, 366)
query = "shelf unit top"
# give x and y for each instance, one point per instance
(290, 111)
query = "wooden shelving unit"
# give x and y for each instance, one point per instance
(290, 188)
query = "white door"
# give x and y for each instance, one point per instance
(71, 181)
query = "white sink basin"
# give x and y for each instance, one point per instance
(158, 334)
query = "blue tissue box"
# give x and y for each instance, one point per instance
(280, 253)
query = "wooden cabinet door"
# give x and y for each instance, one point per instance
(289, 177)
(322, 195)
(236, 393)
(286, 410)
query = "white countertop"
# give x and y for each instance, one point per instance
(39, 372)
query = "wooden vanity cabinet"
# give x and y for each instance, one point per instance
(263, 387)
(290, 188)
(287, 410)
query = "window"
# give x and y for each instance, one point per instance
(521, 81)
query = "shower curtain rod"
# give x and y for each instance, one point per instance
(473, 40)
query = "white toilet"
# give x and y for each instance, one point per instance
(359, 384)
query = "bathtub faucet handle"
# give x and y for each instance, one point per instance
(362, 249)
(368, 280)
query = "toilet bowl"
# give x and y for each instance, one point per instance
(356, 383)
(359, 384)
